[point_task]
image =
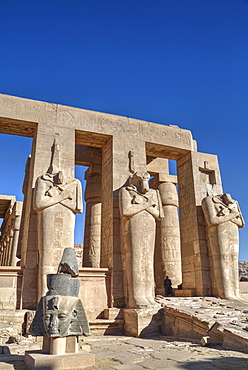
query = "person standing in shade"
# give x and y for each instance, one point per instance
(168, 286)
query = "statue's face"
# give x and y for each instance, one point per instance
(58, 314)
(141, 179)
(227, 198)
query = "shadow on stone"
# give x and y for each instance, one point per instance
(220, 363)
(155, 327)
(4, 350)
(17, 361)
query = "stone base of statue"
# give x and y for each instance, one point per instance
(59, 353)
(143, 321)
(44, 361)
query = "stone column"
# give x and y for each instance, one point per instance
(10, 244)
(16, 233)
(13, 258)
(170, 232)
(1, 252)
(92, 235)
(168, 249)
(4, 244)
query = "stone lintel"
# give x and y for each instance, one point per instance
(165, 151)
(157, 165)
(86, 155)
(6, 202)
(17, 127)
(164, 177)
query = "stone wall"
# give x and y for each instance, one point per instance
(10, 287)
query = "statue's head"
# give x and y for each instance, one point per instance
(59, 316)
(227, 199)
(58, 177)
(54, 168)
(59, 313)
(54, 177)
(140, 180)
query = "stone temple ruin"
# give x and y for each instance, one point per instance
(142, 223)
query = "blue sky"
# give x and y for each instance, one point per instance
(180, 62)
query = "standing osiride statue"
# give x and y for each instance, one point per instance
(56, 199)
(223, 217)
(140, 207)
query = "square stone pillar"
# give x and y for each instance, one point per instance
(198, 175)
(28, 242)
(39, 164)
(115, 173)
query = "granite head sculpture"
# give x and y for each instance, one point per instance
(60, 313)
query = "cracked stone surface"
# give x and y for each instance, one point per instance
(161, 353)
(124, 353)
(229, 314)
(128, 353)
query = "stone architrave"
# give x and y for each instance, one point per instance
(170, 233)
(140, 207)
(223, 217)
(57, 200)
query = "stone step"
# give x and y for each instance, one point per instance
(113, 313)
(107, 327)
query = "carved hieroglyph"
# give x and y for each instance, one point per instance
(140, 207)
(223, 218)
(56, 200)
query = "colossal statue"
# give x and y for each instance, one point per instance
(223, 217)
(56, 199)
(140, 207)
